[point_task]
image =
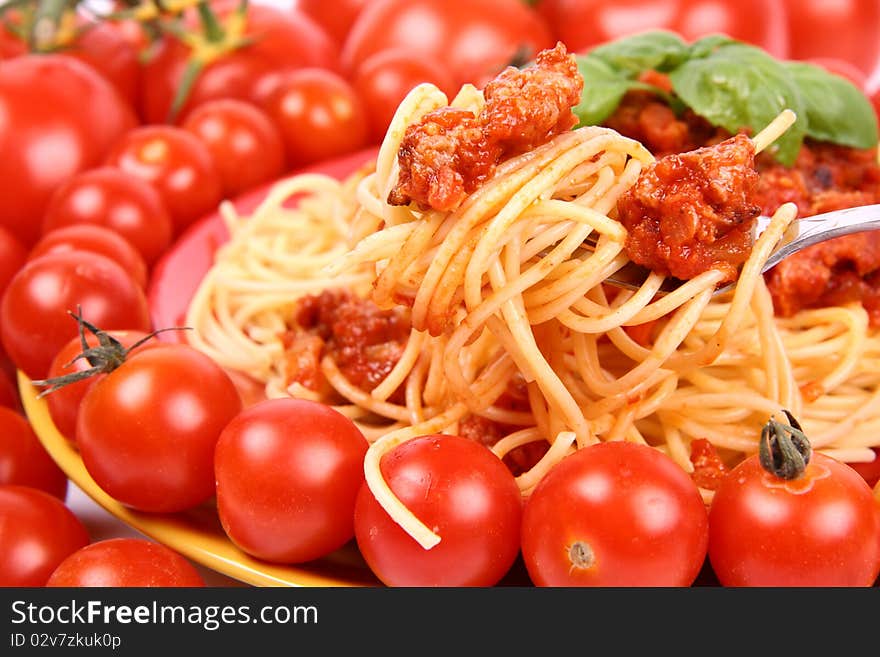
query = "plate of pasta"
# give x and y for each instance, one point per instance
(440, 285)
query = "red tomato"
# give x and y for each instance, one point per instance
(177, 164)
(147, 430)
(615, 514)
(581, 24)
(336, 18)
(94, 239)
(464, 493)
(280, 40)
(870, 471)
(37, 532)
(245, 145)
(110, 51)
(36, 308)
(318, 114)
(843, 29)
(109, 197)
(59, 118)
(125, 562)
(288, 472)
(473, 39)
(384, 79)
(822, 529)
(12, 258)
(23, 459)
(8, 391)
(64, 402)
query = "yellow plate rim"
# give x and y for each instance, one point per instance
(196, 535)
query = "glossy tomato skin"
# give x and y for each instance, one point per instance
(147, 431)
(822, 529)
(176, 164)
(23, 459)
(582, 24)
(105, 47)
(12, 258)
(318, 114)
(64, 403)
(288, 472)
(281, 40)
(109, 197)
(245, 145)
(615, 514)
(870, 471)
(474, 39)
(125, 562)
(35, 320)
(847, 30)
(8, 391)
(464, 493)
(383, 80)
(37, 532)
(60, 118)
(336, 18)
(94, 239)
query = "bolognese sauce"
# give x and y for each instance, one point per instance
(824, 177)
(693, 211)
(451, 152)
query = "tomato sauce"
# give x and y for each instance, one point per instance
(824, 177)
(364, 341)
(451, 152)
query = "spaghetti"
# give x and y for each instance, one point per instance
(510, 322)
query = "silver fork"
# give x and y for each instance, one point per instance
(800, 234)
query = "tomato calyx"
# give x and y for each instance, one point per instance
(107, 356)
(213, 39)
(784, 449)
(44, 25)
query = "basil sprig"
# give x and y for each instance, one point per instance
(732, 85)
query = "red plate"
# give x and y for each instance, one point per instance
(178, 273)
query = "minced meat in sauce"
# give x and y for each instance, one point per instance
(824, 177)
(451, 152)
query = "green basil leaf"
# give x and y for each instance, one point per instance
(706, 45)
(836, 109)
(738, 86)
(657, 50)
(604, 87)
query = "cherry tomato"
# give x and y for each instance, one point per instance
(64, 402)
(23, 459)
(279, 40)
(336, 18)
(581, 24)
(384, 79)
(125, 562)
(12, 258)
(109, 197)
(288, 472)
(615, 514)
(94, 239)
(844, 29)
(464, 493)
(60, 117)
(318, 114)
(8, 391)
(147, 430)
(473, 39)
(870, 471)
(36, 308)
(245, 145)
(820, 529)
(106, 47)
(177, 164)
(37, 532)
